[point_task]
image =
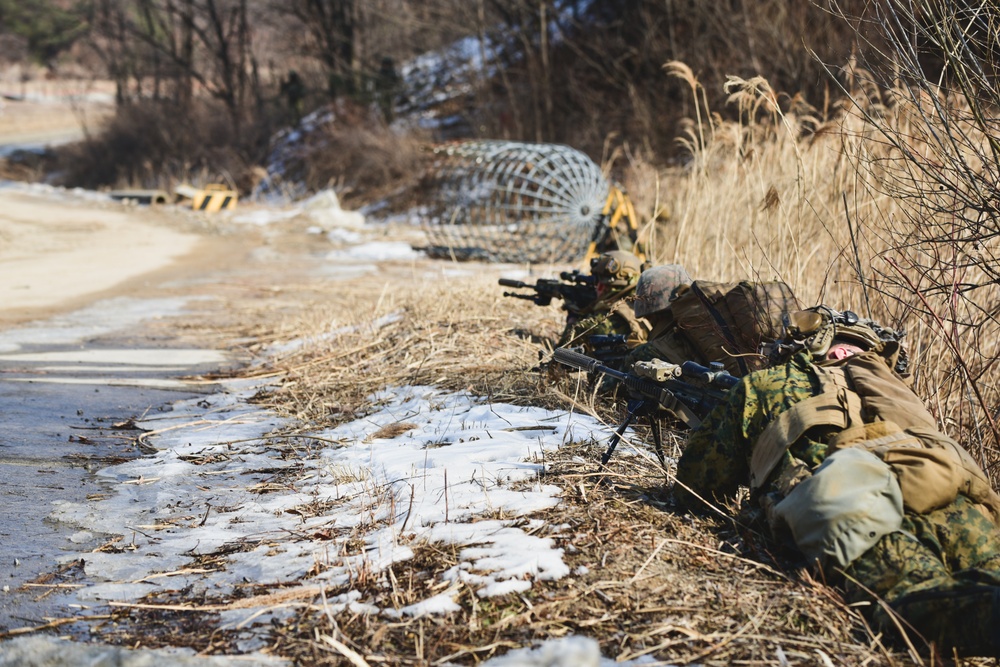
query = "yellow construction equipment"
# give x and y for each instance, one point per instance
(618, 228)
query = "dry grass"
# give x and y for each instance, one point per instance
(830, 206)
(763, 198)
(648, 580)
(458, 334)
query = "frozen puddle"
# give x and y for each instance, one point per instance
(111, 367)
(68, 398)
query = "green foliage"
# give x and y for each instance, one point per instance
(48, 29)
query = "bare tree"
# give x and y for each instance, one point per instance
(331, 28)
(186, 43)
(928, 97)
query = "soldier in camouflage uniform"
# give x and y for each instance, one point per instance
(615, 276)
(656, 289)
(938, 568)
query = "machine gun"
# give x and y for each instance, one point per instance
(688, 391)
(576, 290)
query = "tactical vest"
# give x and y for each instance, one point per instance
(867, 406)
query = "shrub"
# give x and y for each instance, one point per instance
(153, 143)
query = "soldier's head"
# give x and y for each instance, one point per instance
(831, 335)
(615, 272)
(657, 287)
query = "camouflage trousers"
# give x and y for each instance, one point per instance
(941, 574)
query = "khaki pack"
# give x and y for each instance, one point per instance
(638, 329)
(845, 507)
(930, 478)
(728, 322)
(872, 409)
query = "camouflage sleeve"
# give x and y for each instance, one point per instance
(716, 458)
(644, 352)
(602, 323)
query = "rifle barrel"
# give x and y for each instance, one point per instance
(581, 361)
(591, 365)
(658, 392)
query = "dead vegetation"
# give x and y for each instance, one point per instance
(646, 581)
(787, 191)
(765, 197)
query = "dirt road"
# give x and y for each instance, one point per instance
(41, 112)
(59, 251)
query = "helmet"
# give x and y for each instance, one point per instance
(617, 269)
(657, 287)
(817, 329)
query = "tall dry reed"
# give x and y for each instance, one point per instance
(831, 206)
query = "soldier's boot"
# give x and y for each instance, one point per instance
(965, 619)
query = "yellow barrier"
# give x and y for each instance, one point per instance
(214, 198)
(211, 198)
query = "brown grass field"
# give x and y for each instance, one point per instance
(797, 195)
(792, 195)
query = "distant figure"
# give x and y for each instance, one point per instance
(295, 92)
(386, 87)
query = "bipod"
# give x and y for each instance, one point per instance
(638, 408)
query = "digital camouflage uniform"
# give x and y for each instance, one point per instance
(614, 321)
(616, 274)
(940, 572)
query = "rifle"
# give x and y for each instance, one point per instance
(608, 348)
(575, 289)
(689, 391)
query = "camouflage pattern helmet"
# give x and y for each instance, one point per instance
(616, 269)
(817, 329)
(657, 287)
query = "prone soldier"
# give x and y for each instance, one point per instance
(615, 275)
(844, 461)
(654, 293)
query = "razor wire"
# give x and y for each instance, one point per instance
(504, 201)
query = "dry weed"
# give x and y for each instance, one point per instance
(646, 582)
(835, 209)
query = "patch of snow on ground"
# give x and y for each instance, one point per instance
(264, 216)
(425, 466)
(377, 251)
(572, 651)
